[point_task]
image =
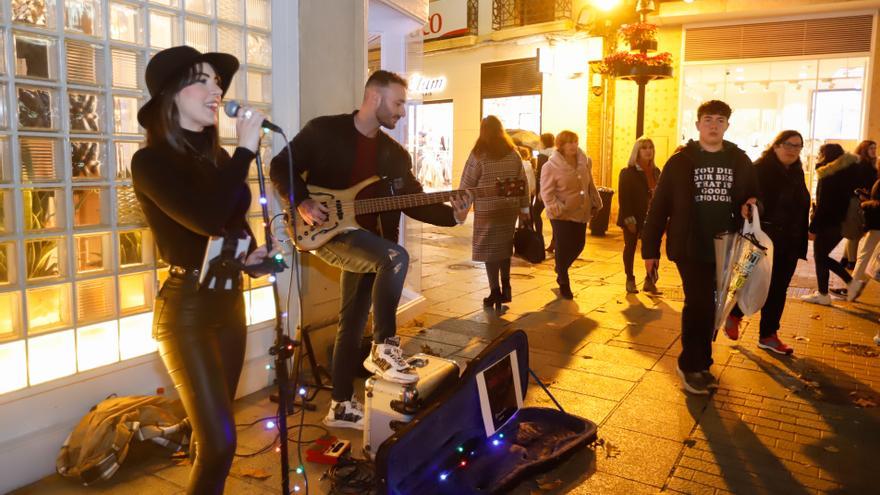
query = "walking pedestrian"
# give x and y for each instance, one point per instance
(866, 174)
(636, 183)
(868, 247)
(785, 200)
(571, 199)
(547, 141)
(703, 190)
(493, 157)
(837, 179)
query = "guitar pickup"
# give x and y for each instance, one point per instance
(339, 213)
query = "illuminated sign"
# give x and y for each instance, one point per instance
(426, 85)
(447, 19)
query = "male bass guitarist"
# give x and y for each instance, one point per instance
(337, 152)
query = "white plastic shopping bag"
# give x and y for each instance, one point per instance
(753, 288)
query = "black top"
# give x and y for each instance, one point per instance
(837, 183)
(635, 195)
(324, 151)
(786, 202)
(673, 207)
(186, 197)
(872, 209)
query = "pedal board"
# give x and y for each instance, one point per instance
(327, 450)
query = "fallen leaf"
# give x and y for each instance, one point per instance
(587, 357)
(600, 310)
(255, 473)
(418, 323)
(690, 442)
(426, 349)
(816, 317)
(801, 338)
(549, 485)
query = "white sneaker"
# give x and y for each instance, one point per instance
(345, 414)
(817, 298)
(854, 289)
(386, 361)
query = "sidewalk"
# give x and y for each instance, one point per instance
(805, 424)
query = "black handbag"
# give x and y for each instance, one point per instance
(528, 244)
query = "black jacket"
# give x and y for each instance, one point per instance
(673, 202)
(872, 209)
(785, 200)
(324, 152)
(837, 182)
(634, 195)
(866, 175)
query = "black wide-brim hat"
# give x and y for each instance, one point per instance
(171, 62)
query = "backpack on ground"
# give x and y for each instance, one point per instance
(99, 443)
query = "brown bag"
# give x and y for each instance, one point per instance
(98, 445)
(853, 226)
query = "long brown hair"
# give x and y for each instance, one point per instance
(779, 139)
(163, 126)
(493, 143)
(862, 150)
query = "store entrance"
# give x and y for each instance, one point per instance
(430, 142)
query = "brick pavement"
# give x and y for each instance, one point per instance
(777, 425)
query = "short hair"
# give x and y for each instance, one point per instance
(714, 107)
(640, 143)
(383, 79)
(547, 140)
(566, 137)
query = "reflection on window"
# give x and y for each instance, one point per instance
(43, 258)
(35, 12)
(124, 151)
(86, 159)
(85, 115)
(39, 159)
(125, 114)
(51, 356)
(84, 61)
(48, 308)
(95, 300)
(83, 16)
(92, 253)
(34, 56)
(36, 108)
(125, 23)
(89, 207)
(42, 209)
(131, 248)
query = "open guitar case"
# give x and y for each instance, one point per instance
(444, 449)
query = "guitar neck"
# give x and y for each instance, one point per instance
(389, 203)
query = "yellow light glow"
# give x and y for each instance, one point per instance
(605, 5)
(135, 336)
(13, 367)
(134, 291)
(259, 305)
(97, 345)
(51, 356)
(8, 315)
(48, 308)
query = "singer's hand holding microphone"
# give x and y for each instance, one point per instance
(249, 124)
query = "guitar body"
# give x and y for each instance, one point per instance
(340, 217)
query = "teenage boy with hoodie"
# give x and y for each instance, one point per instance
(704, 189)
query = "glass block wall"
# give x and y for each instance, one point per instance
(78, 266)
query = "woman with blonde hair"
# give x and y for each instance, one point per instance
(571, 199)
(636, 184)
(494, 157)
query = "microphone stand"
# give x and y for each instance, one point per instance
(284, 346)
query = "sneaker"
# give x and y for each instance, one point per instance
(650, 287)
(838, 293)
(817, 298)
(711, 381)
(693, 382)
(773, 344)
(731, 327)
(345, 414)
(854, 289)
(631, 285)
(386, 361)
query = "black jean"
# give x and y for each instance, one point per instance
(630, 239)
(784, 265)
(537, 209)
(826, 241)
(570, 239)
(373, 272)
(496, 270)
(697, 315)
(201, 336)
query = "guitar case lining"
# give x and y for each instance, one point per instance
(426, 455)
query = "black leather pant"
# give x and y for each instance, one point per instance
(201, 339)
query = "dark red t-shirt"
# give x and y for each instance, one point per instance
(365, 159)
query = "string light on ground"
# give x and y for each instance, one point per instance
(302, 391)
(270, 425)
(299, 470)
(263, 200)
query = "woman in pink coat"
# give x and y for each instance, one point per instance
(571, 199)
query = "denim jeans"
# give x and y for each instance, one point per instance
(373, 272)
(570, 239)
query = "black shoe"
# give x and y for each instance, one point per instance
(631, 285)
(493, 299)
(506, 294)
(565, 292)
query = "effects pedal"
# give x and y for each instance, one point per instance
(327, 450)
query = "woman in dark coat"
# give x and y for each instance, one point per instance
(786, 201)
(866, 175)
(494, 157)
(636, 184)
(837, 180)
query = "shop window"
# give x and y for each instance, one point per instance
(516, 112)
(430, 141)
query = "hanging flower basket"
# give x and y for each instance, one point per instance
(637, 66)
(643, 45)
(640, 36)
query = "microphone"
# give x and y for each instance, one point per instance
(232, 107)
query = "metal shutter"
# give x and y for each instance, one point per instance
(510, 78)
(851, 34)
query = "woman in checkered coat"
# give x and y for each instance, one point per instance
(494, 157)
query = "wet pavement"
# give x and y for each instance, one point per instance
(804, 424)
